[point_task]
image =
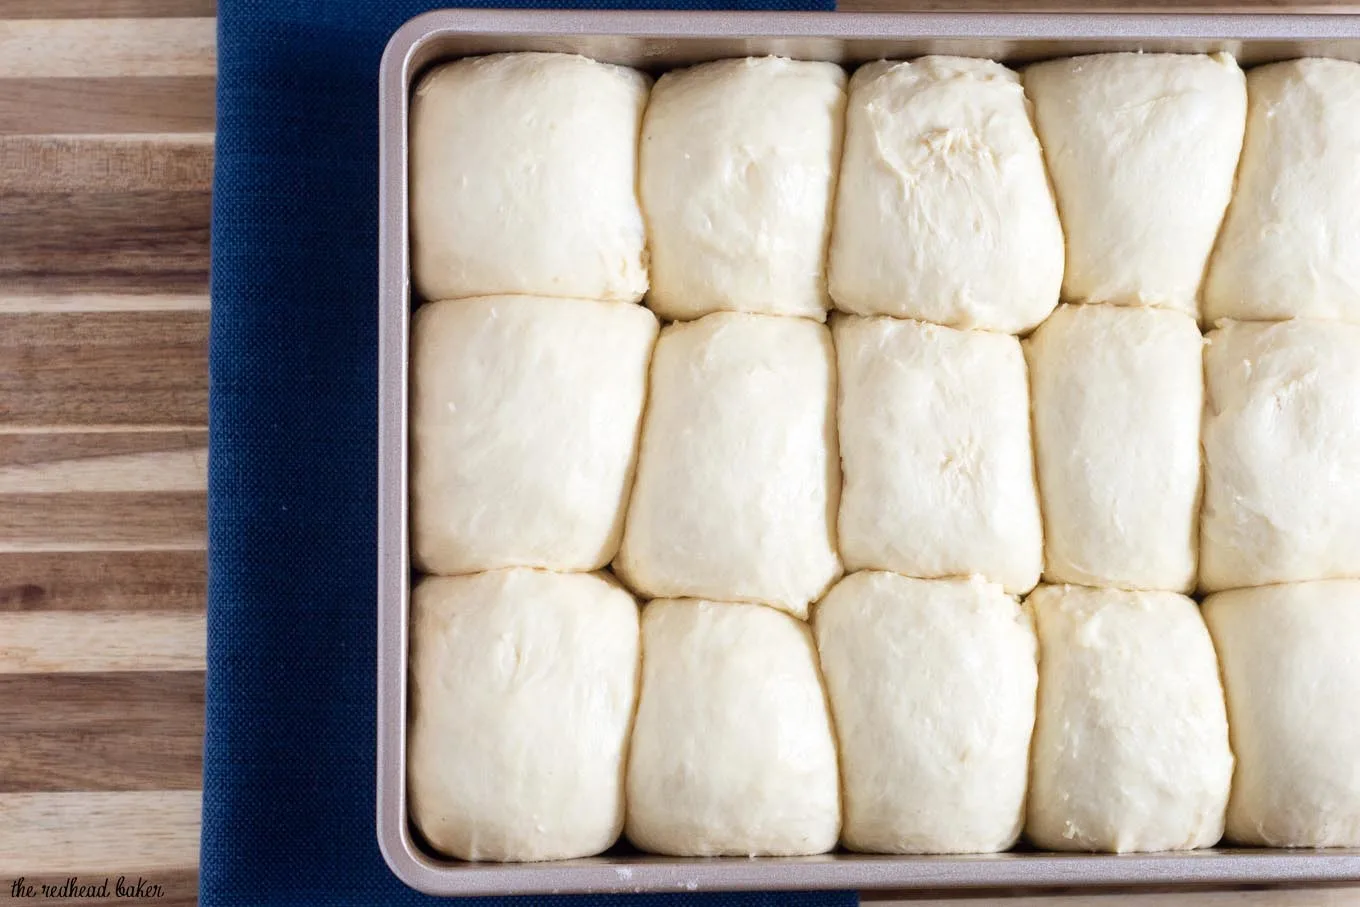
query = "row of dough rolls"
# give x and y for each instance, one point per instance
(755, 458)
(546, 721)
(948, 190)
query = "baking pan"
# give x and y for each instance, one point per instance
(656, 41)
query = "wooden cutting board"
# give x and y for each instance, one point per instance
(106, 129)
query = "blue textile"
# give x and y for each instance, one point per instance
(289, 753)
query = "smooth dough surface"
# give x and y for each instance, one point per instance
(935, 452)
(523, 685)
(932, 686)
(1142, 149)
(1291, 668)
(523, 179)
(739, 161)
(1291, 241)
(1131, 748)
(1118, 394)
(1281, 454)
(944, 211)
(732, 753)
(738, 476)
(524, 427)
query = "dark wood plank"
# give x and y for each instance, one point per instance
(102, 732)
(178, 888)
(103, 367)
(106, 9)
(103, 241)
(56, 447)
(102, 520)
(84, 106)
(103, 581)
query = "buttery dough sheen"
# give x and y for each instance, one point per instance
(932, 686)
(935, 450)
(1118, 396)
(524, 425)
(738, 476)
(1131, 746)
(732, 751)
(738, 169)
(522, 692)
(1290, 666)
(1281, 454)
(944, 211)
(523, 178)
(1142, 149)
(1291, 242)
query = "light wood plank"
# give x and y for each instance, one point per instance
(68, 833)
(133, 731)
(106, 163)
(55, 641)
(107, 106)
(107, 48)
(101, 302)
(166, 470)
(103, 521)
(103, 580)
(105, 9)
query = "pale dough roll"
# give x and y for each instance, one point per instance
(1142, 149)
(943, 209)
(523, 685)
(1291, 241)
(1282, 454)
(1131, 746)
(932, 686)
(1292, 674)
(732, 751)
(935, 452)
(523, 171)
(523, 429)
(738, 476)
(738, 168)
(1118, 394)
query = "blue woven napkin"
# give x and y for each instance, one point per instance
(289, 753)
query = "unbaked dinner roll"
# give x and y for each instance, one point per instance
(1291, 666)
(523, 172)
(1291, 241)
(738, 168)
(1118, 395)
(1281, 454)
(1142, 149)
(732, 751)
(523, 430)
(1131, 746)
(522, 692)
(943, 210)
(935, 450)
(738, 475)
(932, 691)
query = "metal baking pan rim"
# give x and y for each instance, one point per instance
(644, 873)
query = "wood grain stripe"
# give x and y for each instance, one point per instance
(106, 163)
(103, 580)
(107, 106)
(108, 48)
(103, 521)
(102, 302)
(136, 731)
(104, 367)
(83, 642)
(69, 832)
(36, 449)
(166, 470)
(105, 9)
(104, 242)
